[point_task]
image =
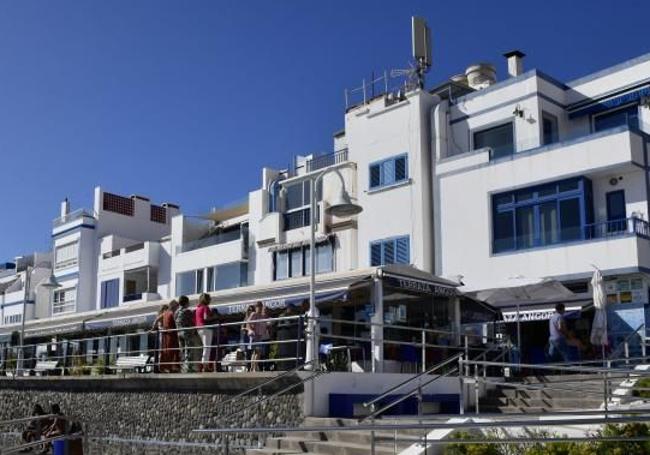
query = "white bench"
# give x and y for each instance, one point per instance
(139, 363)
(234, 362)
(43, 367)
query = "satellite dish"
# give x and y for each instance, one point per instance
(421, 43)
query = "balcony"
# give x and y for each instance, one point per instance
(215, 239)
(319, 162)
(143, 254)
(78, 215)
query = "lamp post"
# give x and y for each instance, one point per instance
(51, 283)
(340, 207)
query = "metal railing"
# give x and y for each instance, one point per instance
(72, 216)
(616, 228)
(323, 161)
(41, 441)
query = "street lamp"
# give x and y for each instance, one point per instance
(51, 283)
(340, 207)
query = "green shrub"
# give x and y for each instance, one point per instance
(643, 383)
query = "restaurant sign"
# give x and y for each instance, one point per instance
(421, 286)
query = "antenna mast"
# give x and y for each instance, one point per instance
(421, 35)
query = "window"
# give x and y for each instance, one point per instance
(542, 215)
(296, 261)
(499, 138)
(13, 319)
(298, 204)
(188, 283)
(625, 116)
(66, 255)
(549, 129)
(227, 276)
(390, 251)
(110, 293)
(616, 213)
(64, 301)
(388, 172)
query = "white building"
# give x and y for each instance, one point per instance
(118, 253)
(539, 178)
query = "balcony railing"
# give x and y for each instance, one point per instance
(215, 239)
(72, 216)
(323, 161)
(616, 228)
(298, 219)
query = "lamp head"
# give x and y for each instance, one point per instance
(343, 205)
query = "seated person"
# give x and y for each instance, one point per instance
(34, 428)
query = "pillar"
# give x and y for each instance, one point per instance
(377, 329)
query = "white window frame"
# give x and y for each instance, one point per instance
(70, 262)
(69, 305)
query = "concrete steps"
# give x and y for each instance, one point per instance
(547, 394)
(333, 442)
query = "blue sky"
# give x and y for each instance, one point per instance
(185, 101)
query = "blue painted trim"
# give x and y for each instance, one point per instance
(28, 302)
(612, 69)
(611, 103)
(75, 228)
(380, 163)
(383, 242)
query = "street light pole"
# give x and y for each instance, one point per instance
(21, 351)
(341, 206)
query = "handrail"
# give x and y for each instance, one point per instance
(409, 380)
(266, 383)
(314, 374)
(413, 392)
(558, 368)
(625, 340)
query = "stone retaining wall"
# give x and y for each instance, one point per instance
(136, 413)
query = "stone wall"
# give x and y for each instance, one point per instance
(156, 416)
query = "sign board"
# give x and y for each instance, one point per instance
(420, 286)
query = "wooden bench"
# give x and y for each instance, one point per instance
(43, 367)
(139, 364)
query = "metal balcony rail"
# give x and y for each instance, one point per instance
(72, 216)
(616, 228)
(299, 218)
(323, 161)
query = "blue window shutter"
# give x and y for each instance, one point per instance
(375, 254)
(400, 169)
(375, 175)
(402, 251)
(389, 252)
(388, 172)
(110, 293)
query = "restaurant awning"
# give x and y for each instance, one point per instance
(610, 103)
(542, 311)
(410, 278)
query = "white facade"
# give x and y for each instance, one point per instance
(473, 186)
(111, 255)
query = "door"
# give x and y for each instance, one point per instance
(616, 216)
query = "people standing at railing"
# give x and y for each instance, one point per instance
(58, 425)
(258, 331)
(244, 339)
(188, 338)
(169, 358)
(203, 316)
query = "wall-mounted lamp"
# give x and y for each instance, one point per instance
(518, 112)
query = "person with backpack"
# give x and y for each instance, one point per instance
(188, 337)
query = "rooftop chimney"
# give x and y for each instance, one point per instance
(515, 62)
(65, 207)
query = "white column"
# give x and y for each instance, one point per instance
(377, 331)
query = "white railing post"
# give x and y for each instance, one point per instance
(424, 351)
(461, 395)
